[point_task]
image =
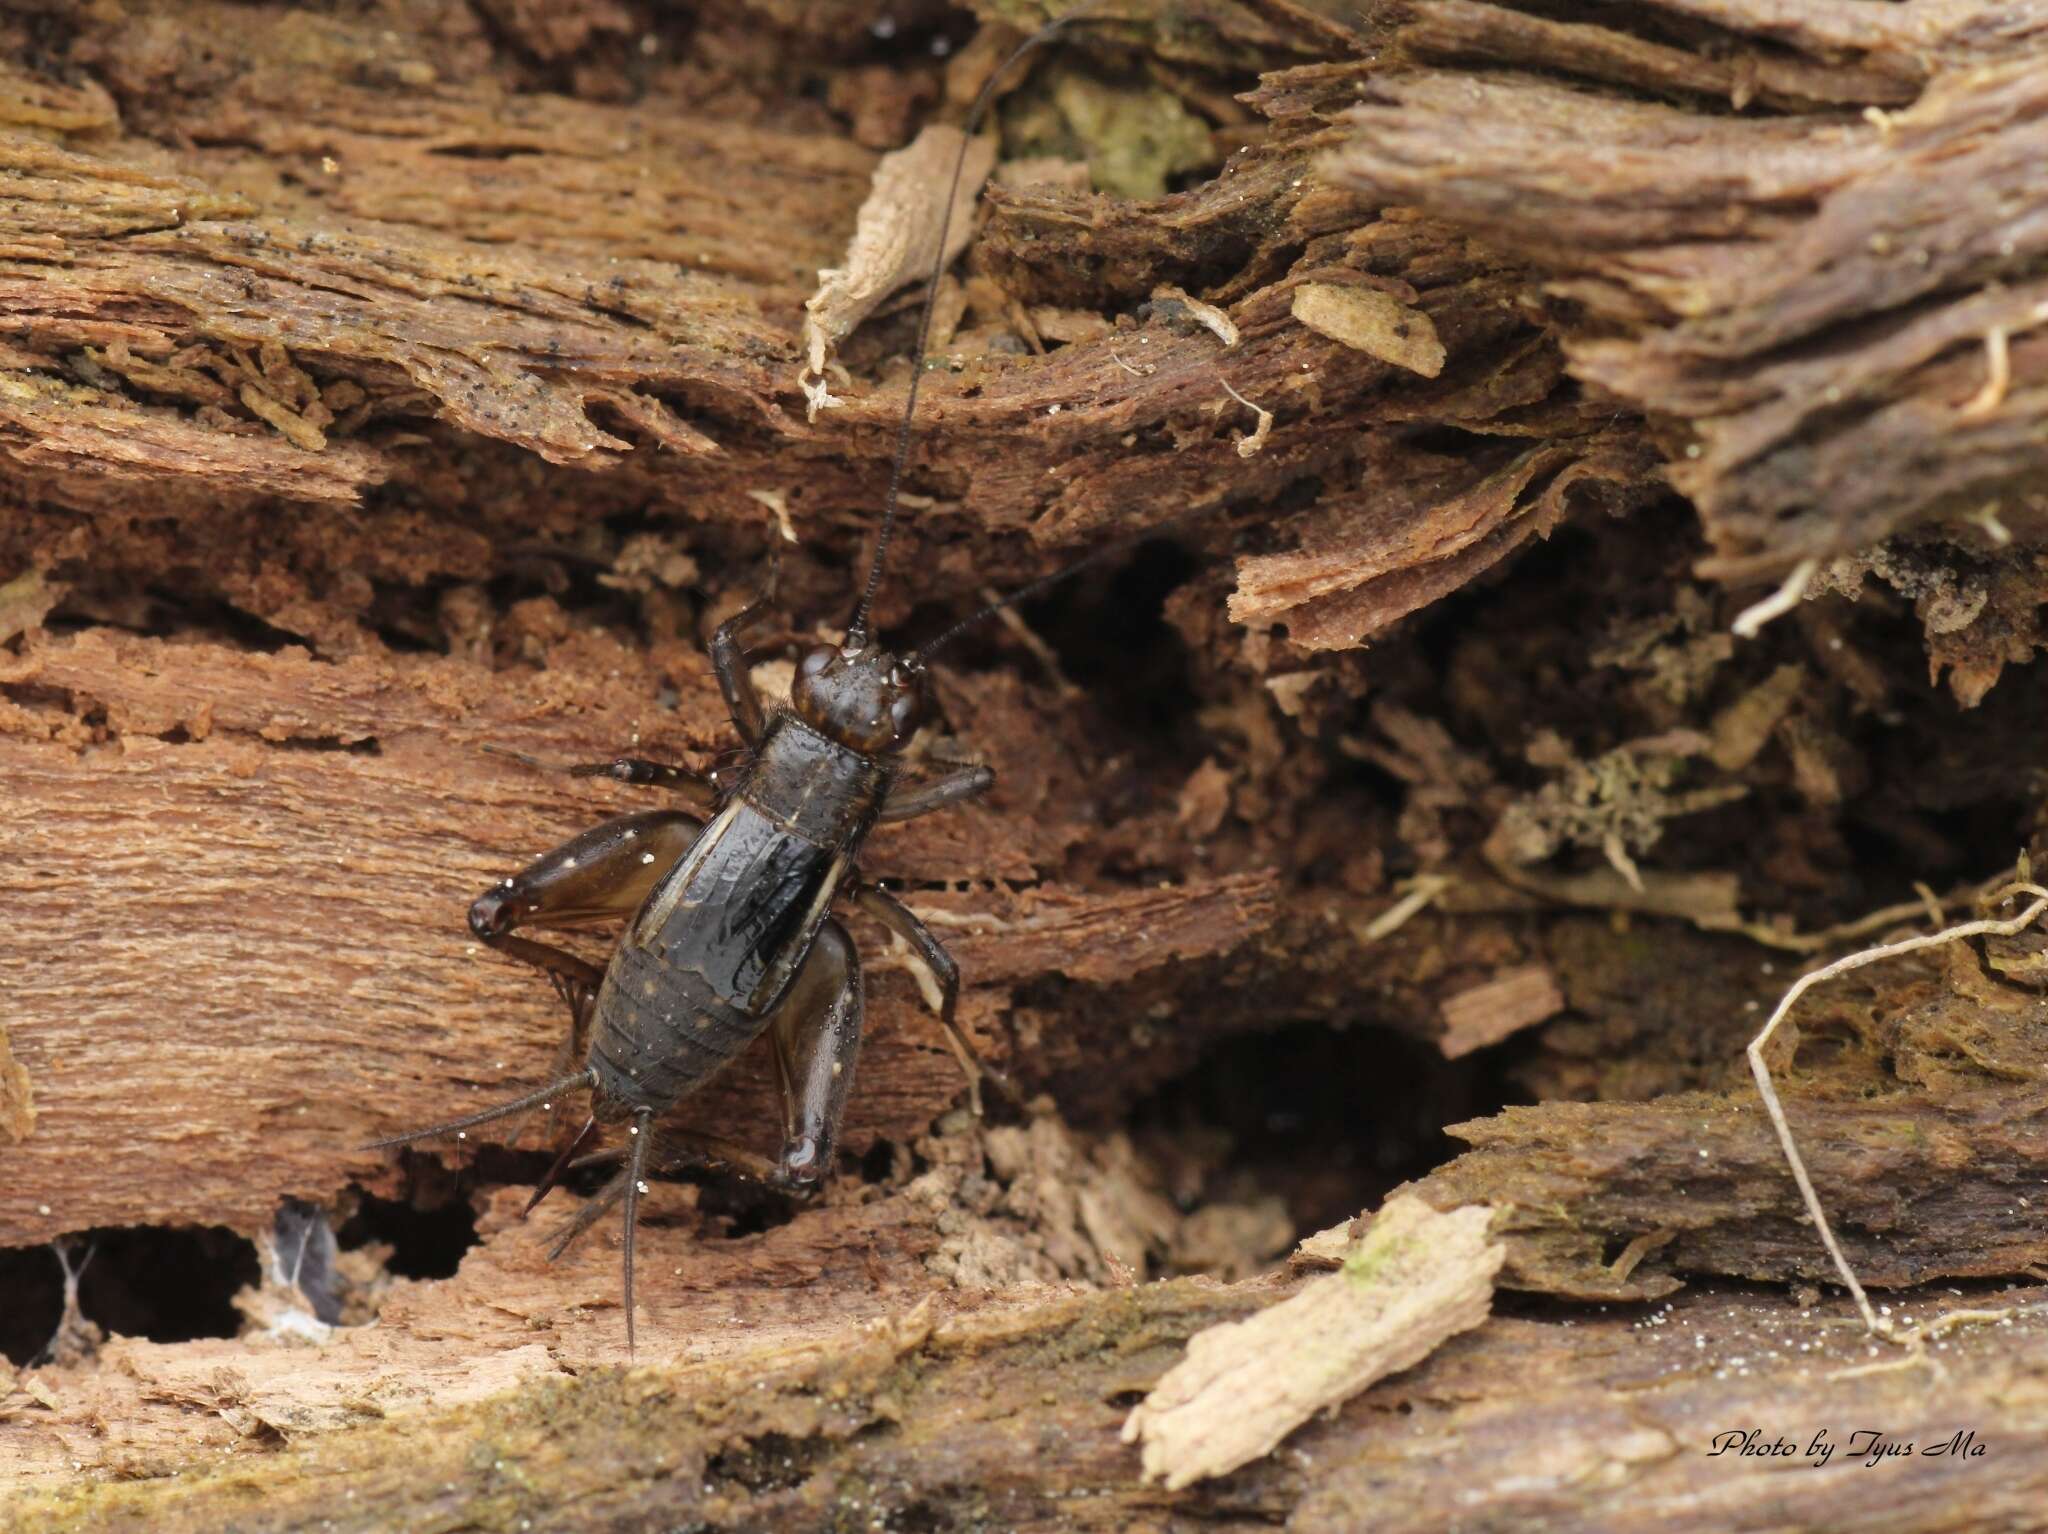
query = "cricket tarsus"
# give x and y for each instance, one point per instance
(727, 902)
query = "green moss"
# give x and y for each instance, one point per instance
(1136, 139)
(1366, 1261)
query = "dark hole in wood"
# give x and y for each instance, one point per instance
(33, 1284)
(1328, 1119)
(427, 1239)
(164, 1283)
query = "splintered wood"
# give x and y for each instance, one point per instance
(1423, 526)
(896, 239)
(1815, 295)
(1504, 1005)
(1415, 1278)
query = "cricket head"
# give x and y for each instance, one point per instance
(859, 695)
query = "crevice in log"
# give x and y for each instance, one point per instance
(163, 1283)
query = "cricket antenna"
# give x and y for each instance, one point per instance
(856, 631)
(924, 652)
(1023, 593)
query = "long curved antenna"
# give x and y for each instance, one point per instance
(1023, 593)
(856, 631)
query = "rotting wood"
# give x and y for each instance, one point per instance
(1812, 295)
(1412, 1280)
(340, 471)
(1000, 1411)
(189, 320)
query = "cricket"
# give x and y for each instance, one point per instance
(728, 903)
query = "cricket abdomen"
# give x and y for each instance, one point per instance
(661, 1031)
(702, 966)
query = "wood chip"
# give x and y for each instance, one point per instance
(1414, 1279)
(895, 240)
(25, 601)
(1741, 729)
(1508, 1003)
(1370, 321)
(292, 426)
(1211, 318)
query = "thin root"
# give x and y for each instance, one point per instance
(1997, 377)
(1878, 1326)
(1248, 447)
(1914, 1342)
(1421, 890)
(1750, 621)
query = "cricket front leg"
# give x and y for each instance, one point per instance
(815, 1033)
(730, 662)
(907, 801)
(695, 788)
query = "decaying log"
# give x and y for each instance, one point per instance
(1004, 1412)
(1810, 297)
(381, 387)
(200, 333)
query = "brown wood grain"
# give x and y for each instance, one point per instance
(381, 385)
(754, 1408)
(236, 958)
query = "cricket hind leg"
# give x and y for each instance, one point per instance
(815, 1035)
(676, 1150)
(681, 1149)
(602, 875)
(562, 1163)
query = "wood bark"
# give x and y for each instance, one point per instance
(1005, 1413)
(383, 386)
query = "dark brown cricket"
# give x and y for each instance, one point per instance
(728, 902)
